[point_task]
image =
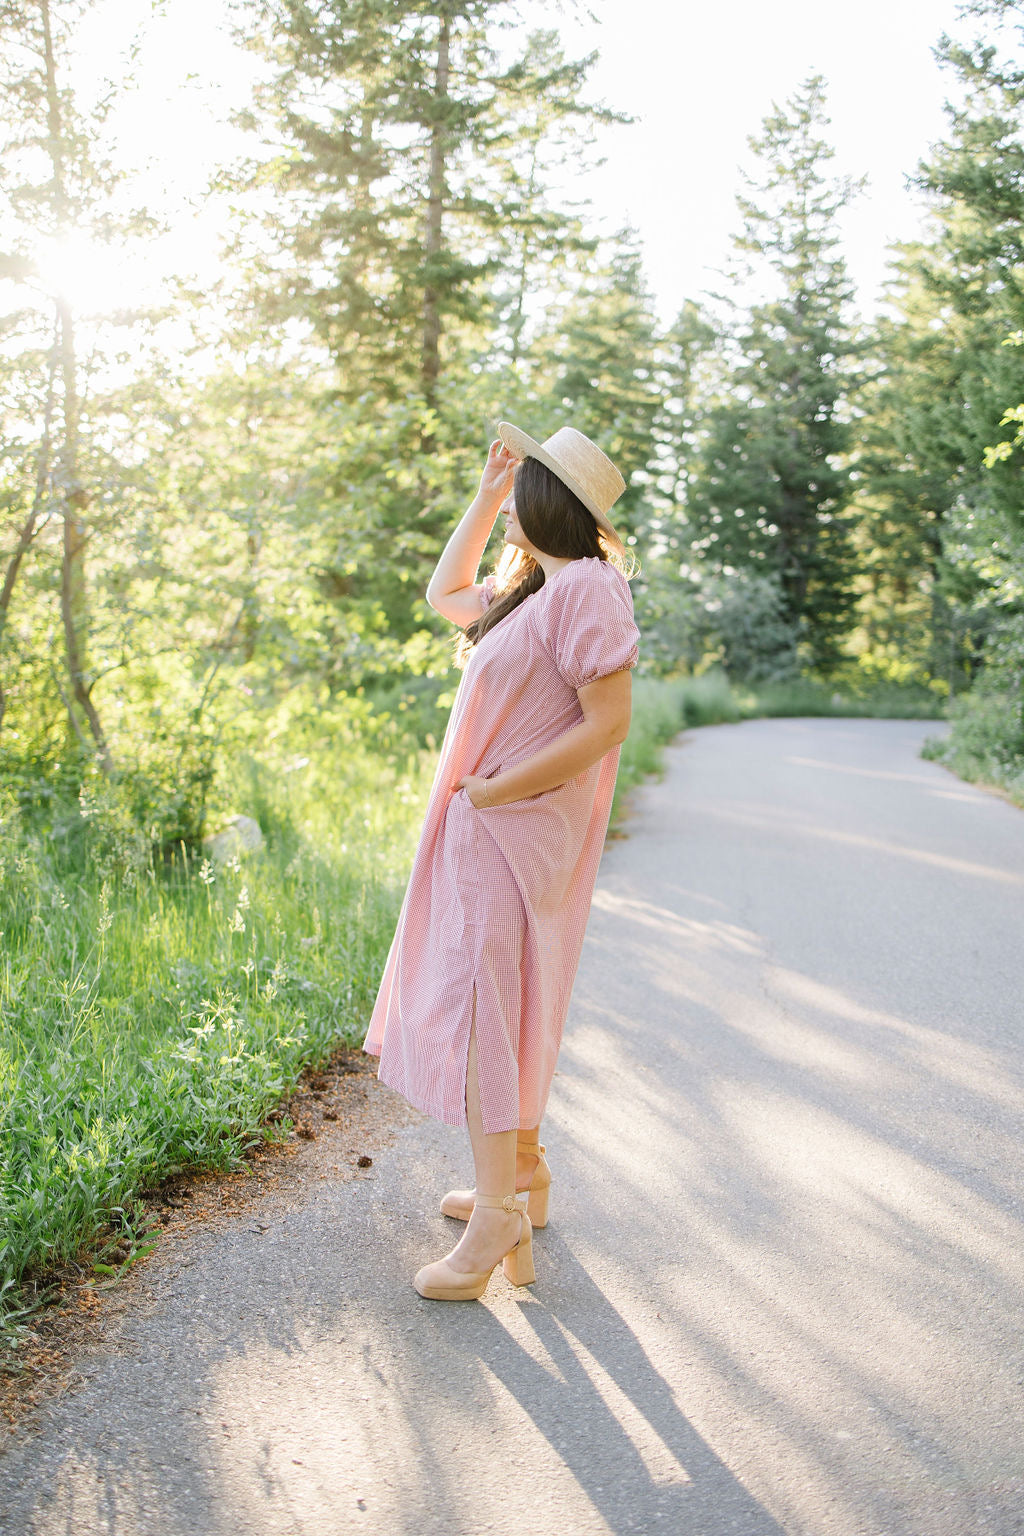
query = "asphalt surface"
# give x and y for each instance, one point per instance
(781, 1289)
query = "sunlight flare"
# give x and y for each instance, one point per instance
(92, 278)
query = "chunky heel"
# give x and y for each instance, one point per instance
(537, 1206)
(540, 1184)
(518, 1265)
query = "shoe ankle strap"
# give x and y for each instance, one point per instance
(530, 1146)
(509, 1203)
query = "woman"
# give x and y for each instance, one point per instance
(474, 996)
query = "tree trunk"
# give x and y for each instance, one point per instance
(430, 367)
(70, 489)
(31, 525)
(250, 625)
(518, 319)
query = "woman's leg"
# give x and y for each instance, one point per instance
(490, 1233)
(527, 1155)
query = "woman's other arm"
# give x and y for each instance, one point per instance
(606, 710)
(451, 590)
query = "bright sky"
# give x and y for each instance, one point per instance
(697, 76)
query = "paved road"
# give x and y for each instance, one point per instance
(781, 1291)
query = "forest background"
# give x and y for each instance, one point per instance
(218, 515)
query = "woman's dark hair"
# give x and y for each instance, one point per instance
(556, 522)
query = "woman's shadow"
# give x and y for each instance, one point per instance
(581, 1377)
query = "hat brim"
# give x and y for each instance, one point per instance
(522, 446)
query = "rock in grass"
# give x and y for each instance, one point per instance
(241, 835)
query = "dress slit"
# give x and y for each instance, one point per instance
(469, 1041)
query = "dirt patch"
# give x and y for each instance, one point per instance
(342, 1118)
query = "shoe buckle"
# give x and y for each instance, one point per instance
(509, 1204)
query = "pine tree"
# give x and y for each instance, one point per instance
(976, 272)
(409, 201)
(539, 122)
(413, 231)
(937, 505)
(974, 266)
(599, 370)
(905, 467)
(769, 488)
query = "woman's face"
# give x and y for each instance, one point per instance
(513, 532)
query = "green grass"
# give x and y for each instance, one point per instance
(882, 701)
(150, 1018)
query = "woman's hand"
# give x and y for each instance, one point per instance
(498, 472)
(452, 589)
(606, 709)
(478, 789)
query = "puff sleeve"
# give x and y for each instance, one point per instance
(487, 592)
(592, 631)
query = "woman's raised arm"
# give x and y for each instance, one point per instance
(451, 590)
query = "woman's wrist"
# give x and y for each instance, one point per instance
(486, 504)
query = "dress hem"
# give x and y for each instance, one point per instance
(446, 1117)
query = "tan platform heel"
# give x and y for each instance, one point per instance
(439, 1282)
(459, 1202)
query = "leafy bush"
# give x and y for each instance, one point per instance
(710, 700)
(746, 628)
(986, 740)
(692, 620)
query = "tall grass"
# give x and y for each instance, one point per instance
(150, 1017)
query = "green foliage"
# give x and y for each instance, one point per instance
(937, 486)
(986, 741)
(412, 193)
(150, 1017)
(598, 362)
(963, 310)
(669, 615)
(747, 630)
(807, 698)
(692, 619)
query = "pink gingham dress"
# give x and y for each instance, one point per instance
(498, 899)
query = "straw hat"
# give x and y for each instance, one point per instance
(577, 462)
